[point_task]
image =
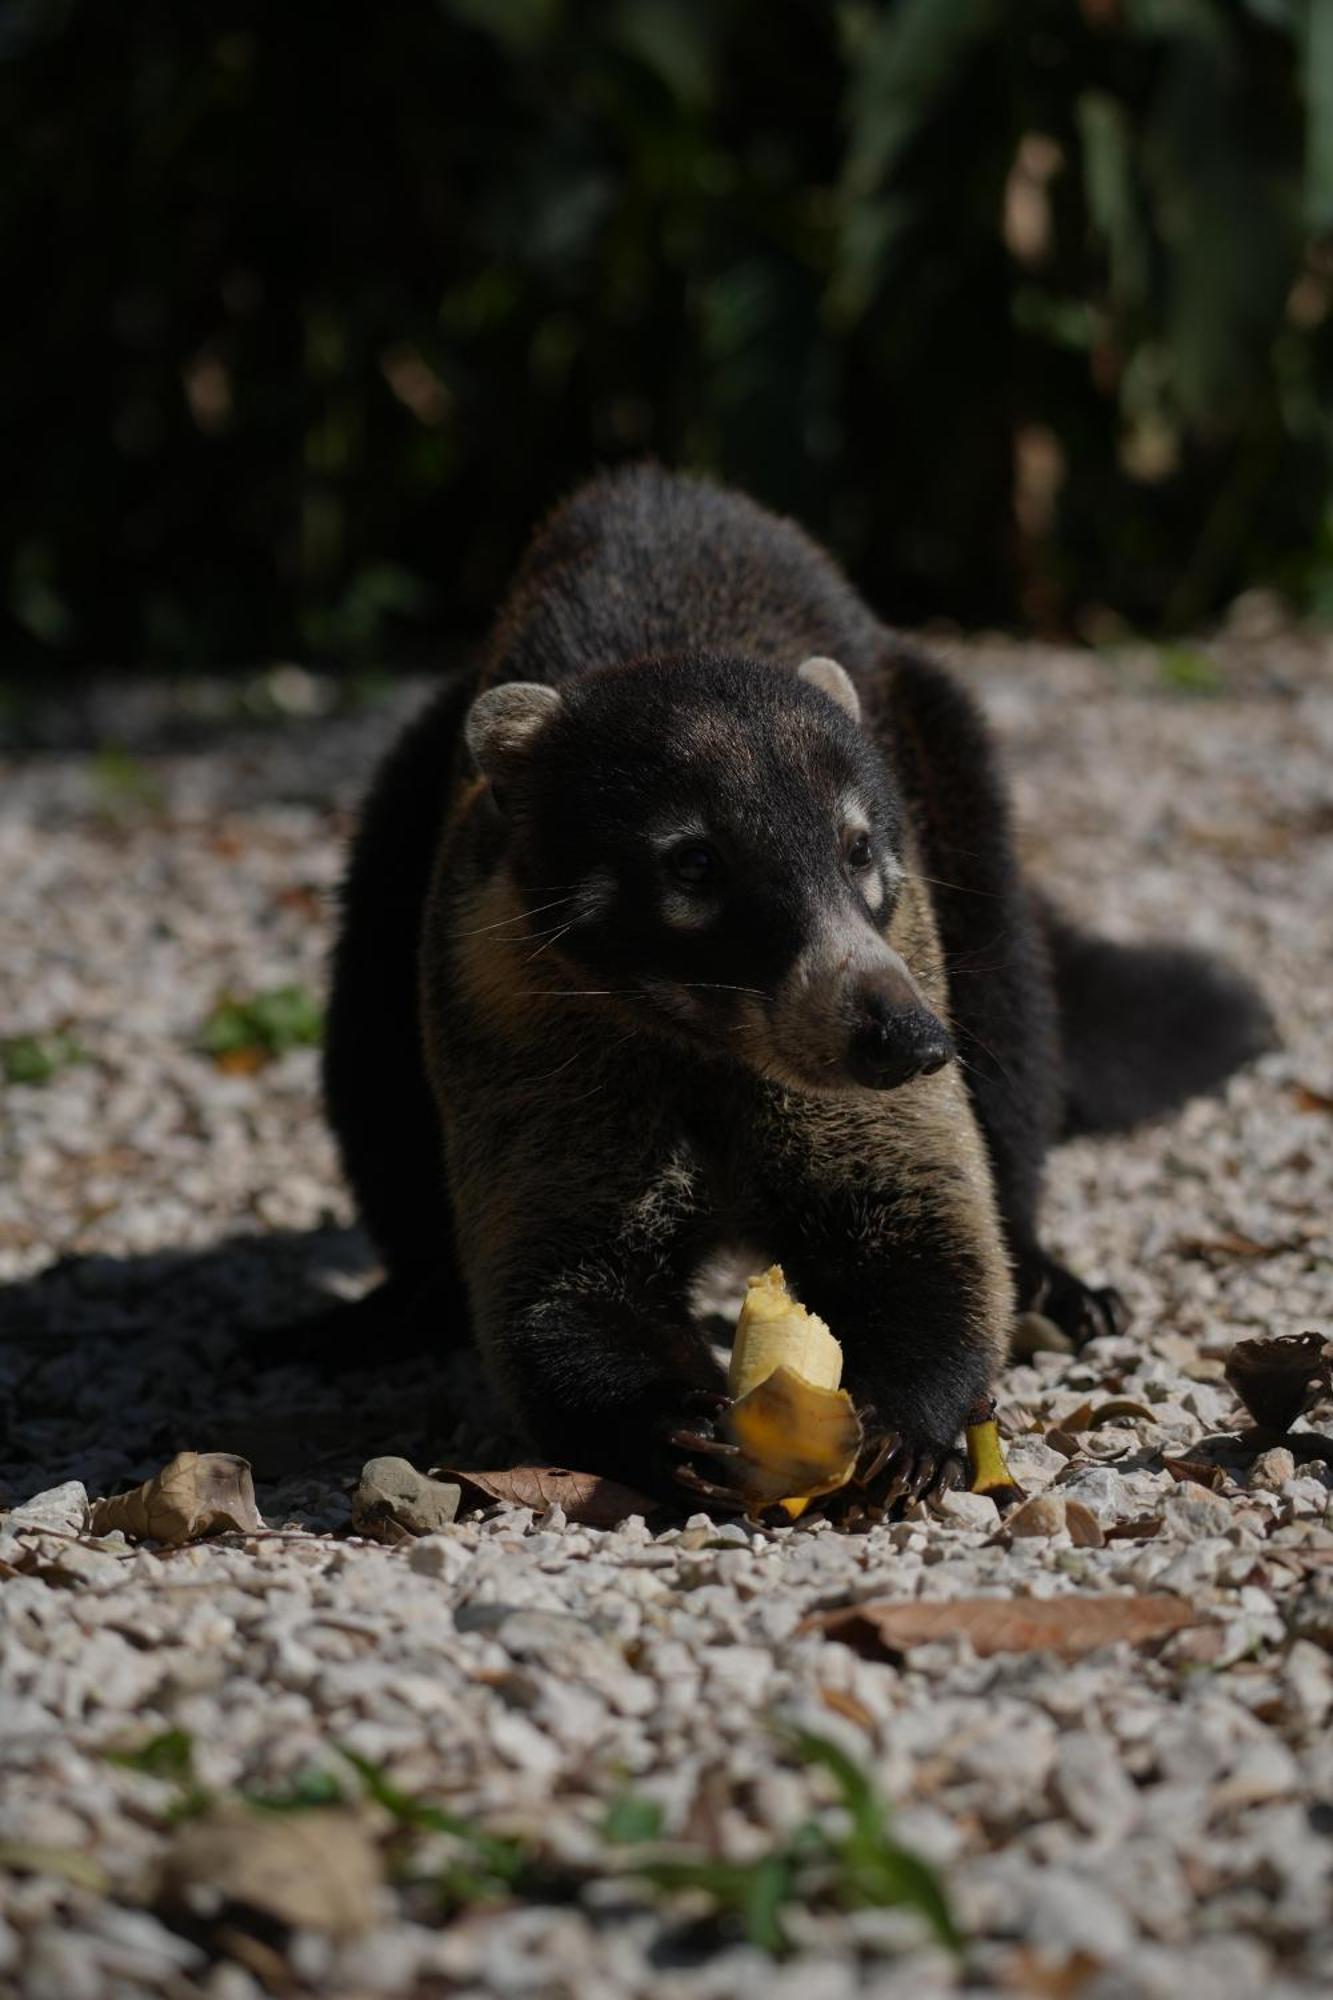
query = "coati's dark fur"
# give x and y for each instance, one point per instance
(562, 1074)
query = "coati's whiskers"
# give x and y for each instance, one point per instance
(613, 1050)
(500, 922)
(551, 937)
(986, 1049)
(546, 1078)
(962, 888)
(720, 986)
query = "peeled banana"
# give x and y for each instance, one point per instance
(776, 1331)
(798, 1432)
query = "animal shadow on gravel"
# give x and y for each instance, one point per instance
(111, 1365)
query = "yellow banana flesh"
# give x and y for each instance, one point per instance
(798, 1432)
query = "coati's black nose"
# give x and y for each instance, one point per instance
(893, 1043)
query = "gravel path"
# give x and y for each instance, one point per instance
(1140, 1820)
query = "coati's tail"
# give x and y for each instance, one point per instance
(1146, 1026)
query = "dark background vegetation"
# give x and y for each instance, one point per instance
(1022, 304)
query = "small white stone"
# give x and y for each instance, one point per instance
(60, 1507)
(968, 1510)
(1102, 1491)
(1091, 1783)
(1272, 1469)
(1071, 1913)
(441, 1556)
(1192, 1513)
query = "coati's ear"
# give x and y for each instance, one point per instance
(502, 723)
(832, 680)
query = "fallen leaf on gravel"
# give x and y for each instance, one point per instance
(1041, 1976)
(587, 1498)
(1116, 1411)
(841, 1703)
(1228, 1243)
(1141, 1529)
(318, 1869)
(1197, 1472)
(1085, 1530)
(1078, 1623)
(1276, 1379)
(199, 1493)
(1311, 1100)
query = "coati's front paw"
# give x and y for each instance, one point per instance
(1083, 1312)
(696, 1457)
(895, 1468)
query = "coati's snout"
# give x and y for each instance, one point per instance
(896, 1038)
(713, 843)
(851, 1012)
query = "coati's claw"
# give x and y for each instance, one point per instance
(718, 1496)
(693, 1427)
(1083, 1312)
(1098, 1311)
(894, 1472)
(700, 1441)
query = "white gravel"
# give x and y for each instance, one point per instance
(1131, 1823)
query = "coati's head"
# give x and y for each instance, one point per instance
(715, 841)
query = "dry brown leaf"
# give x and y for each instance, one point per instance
(587, 1498)
(199, 1493)
(1041, 1975)
(1197, 1472)
(1078, 1623)
(241, 1062)
(1231, 1243)
(1116, 1411)
(839, 1702)
(1277, 1379)
(1141, 1529)
(318, 1869)
(1311, 1100)
(1085, 1530)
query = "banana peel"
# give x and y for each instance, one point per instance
(797, 1428)
(798, 1431)
(987, 1462)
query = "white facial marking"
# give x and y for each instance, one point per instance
(686, 913)
(674, 833)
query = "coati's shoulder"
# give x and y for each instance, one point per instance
(642, 562)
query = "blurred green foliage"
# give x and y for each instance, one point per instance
(37, 1058)
(243, 1033)
(1025, 305)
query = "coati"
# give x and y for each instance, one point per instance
(694, 919)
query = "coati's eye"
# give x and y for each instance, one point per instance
(693, 863)
(860, 853)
